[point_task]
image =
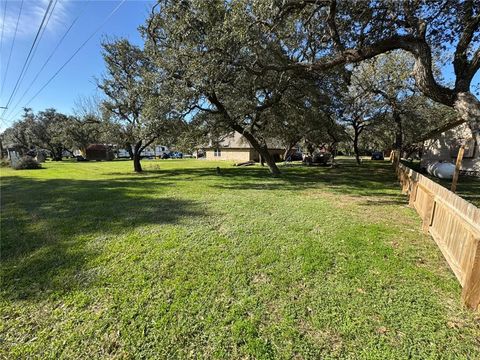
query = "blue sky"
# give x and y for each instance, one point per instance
(78, 77)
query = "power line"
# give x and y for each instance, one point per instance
(29, 54)
(47, 61)
(73, 55)
(3, 22)
(11, 49)
(3, 30)
(22, 76)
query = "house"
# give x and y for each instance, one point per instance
(235, 147)
(445, 149)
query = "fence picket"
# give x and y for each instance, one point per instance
(453, 223)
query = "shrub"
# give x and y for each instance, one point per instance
(27, 162)
(4, 163)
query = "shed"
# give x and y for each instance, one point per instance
(99, 152)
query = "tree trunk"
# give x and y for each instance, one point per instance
(137, 166)
(288, 151)
(468, 107)
(56, 153)
(261, 149)
(398, 131)
(128, 146)
(356, 150)
(268, 159)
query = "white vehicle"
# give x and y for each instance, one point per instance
(160, 150)
(148, 152)
(156, 151)
(122, 153)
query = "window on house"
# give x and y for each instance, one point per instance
(217, 153)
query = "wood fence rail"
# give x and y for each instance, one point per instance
(454, 224)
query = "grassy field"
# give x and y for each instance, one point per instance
(179, 262)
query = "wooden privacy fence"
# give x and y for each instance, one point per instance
(454, 224)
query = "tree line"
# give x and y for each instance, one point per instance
(314, 72)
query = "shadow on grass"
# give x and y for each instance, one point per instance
(375, 180)
(45, 224)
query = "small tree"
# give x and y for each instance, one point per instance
(383, 89)
(19, 134)
(128, 94)
(358, 112)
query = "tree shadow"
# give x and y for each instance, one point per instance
(45, 224)
(371, 179)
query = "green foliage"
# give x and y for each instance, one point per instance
(4, 162)
(385, 104)
(137, 115)
(44, 130)
(204, 53)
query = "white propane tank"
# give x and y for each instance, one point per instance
(441, 170)
(431, 168)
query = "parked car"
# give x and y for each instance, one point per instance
(165, 156)
(176, 155)
(80, 158)
(296, 156)
(322, 158)
(377, 155)
(317, 159)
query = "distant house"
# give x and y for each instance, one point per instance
(235, 147)
(445, 149)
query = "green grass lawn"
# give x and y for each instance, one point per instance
(179, 262)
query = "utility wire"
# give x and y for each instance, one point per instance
(3, 22)
(3, 30)
(29, 54)
(33, 55)
(11, 49)
(73, 55)
(47, 60)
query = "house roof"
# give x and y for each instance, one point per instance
(235, 140)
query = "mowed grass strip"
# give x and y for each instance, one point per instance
(179, 262)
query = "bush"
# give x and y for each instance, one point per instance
(4, 163)
(27, 162)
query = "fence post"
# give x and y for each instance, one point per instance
(430, 213)
(471, 288)
(413, 194)
(458, 164)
